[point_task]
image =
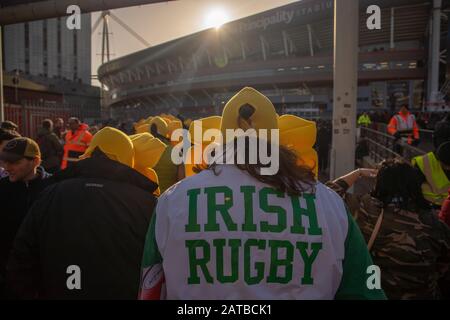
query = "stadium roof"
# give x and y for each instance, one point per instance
(284, 48)
(16, 11)
(306, 11)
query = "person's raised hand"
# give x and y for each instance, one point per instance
(367, 172)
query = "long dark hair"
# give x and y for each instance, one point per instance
(397, 183)
(292, 178)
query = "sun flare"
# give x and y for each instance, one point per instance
(216, 18)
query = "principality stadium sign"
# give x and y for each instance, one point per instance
(279, 17)
(313, 9)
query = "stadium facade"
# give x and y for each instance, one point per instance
(48, 49)
(48, 72)
(287, 53)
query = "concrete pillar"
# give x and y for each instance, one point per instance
(430, 36)
(285, 43)
(392, 43)
(345, 85)
(435, 52)
(263, 47)
(311, 47)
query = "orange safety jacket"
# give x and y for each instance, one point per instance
(406, 125)
(76, 144)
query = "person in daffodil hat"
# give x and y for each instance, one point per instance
(143, 125)
(208, 227)
(166, 119)
(136, 125)
(141, 128)
(300, 135)
(168, 172)
(95, 216)
(171, 117)
(196, 129)
(114, 144)
(148, 150)
(148, 119)
(249, 109)
(171, 127)
(158, 128)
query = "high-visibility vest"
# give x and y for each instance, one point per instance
(405, 126)
(364, 120)
(437, 184)
(76, 145)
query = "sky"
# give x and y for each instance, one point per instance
(161, 22)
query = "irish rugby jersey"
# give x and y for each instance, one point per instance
(229, 236)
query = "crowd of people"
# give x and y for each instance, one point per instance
(111, 203)
(425, 120)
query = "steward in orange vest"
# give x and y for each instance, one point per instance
(403, 125)
(77, 140)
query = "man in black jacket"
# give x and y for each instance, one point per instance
(51, 149)
(26, 179)
(83, 239)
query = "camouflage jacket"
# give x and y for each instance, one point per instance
(412, 249)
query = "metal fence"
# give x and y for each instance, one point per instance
(29, 117)
(426, 136)
(383, 146)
